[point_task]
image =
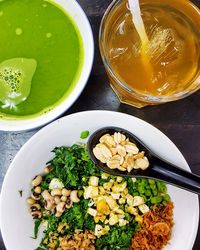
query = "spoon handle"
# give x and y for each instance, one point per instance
(175, 175)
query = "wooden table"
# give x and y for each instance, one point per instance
(180, 120)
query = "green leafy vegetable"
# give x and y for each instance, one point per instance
(75, 216)
(36, 227)
(84, 134)
(72, 166)
(116, 238)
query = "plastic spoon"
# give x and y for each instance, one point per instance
(158, 169)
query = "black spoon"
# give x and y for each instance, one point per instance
(158, 169)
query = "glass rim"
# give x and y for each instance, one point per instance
(138, 95)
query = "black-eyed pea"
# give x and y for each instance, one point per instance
(49, 200)
(56, 192)
(35, 207)
(66, 192)
(63, 198)
(61, 226)
(57, 199)
(58, 214)
(74, 196)
(37, 180)
(60, 207)
(36, 214)
(69, 202)
(46, 195)
(36, 196)
(38, 190)
(49, 204)
(31, 201)
(48, 169)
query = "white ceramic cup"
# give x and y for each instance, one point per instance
(74, 10)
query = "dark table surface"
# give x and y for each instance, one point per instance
(180, 120)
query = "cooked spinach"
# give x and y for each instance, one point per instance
(36, 227)
(72, 166)
(75, 216)
(116, 238)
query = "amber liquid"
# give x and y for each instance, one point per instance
(173, 51)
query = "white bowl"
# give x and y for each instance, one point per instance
(15, 220)
(74, 10)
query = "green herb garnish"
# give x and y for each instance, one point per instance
(84, 134)
(36, 227)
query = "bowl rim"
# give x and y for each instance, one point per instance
(29, 123)
(92, 113)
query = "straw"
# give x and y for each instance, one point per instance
(134, 6)
(138, 22)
